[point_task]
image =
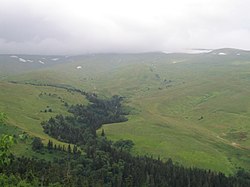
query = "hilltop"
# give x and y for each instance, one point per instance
(230, 51)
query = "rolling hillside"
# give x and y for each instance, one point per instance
(193, 108)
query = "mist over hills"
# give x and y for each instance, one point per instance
(15, 64)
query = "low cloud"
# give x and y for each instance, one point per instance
(78, 27)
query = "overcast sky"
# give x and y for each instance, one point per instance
(97, 26)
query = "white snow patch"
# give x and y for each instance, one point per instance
(55, 59)
(223, 54)
(189, 51)
(197, 51)
(22, 60)
(79, 67)
(44, 58)
(238, 54)
(41, 62)
(13, 56)
(174, 62)
(30, 61)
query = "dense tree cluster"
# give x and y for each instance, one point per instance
(66, 129)
(105, 165)
(100, 111)
(85, 120)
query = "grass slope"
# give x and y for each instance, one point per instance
(25, 105)
(192, 108)
(201, 120)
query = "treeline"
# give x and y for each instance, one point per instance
(107, 165)
(67, 87)
(77, 129)
(38, 146)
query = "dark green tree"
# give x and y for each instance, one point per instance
(69, 149)
(50, 145)
(75, 150)
(37, 144)
(103, 133)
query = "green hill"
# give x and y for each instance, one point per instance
(193, 108)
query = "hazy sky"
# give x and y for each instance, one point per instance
(93, 26)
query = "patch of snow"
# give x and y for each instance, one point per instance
(22, 60)
(189, 51)
(223, 54)
(174, 62)
(55, 59)
(44, 58)
(79, 67)
(197, 51)
(30, 61)
(41, 62)
(13, 56)
(238, 54)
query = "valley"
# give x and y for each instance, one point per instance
(192, 108)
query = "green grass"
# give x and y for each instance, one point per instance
(22, 144)
(200, 118)
(168, 123)
(25, 105)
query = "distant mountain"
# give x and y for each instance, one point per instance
(12, 64)
(229, 51)
(18, 64)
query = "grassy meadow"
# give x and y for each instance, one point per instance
(25, 105)
(194, 109)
